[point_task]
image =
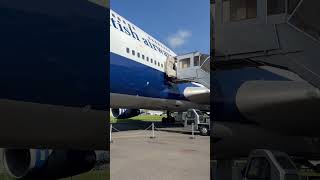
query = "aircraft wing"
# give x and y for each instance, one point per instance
(199, 95)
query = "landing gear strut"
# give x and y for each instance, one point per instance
(169, 119)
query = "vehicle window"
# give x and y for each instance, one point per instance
(196, 61)
(284, 162)
(259, 168)
(142, 56)
(185, 63)
(128, 50)
(133, 52)
(236, 10)
(148, 59)
(151, 60)
(188, 114)
(155, 62)
(138, 55)
(276, 7)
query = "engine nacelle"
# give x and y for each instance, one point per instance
(125, 113)
(47, 164)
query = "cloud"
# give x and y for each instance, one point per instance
(179, 38)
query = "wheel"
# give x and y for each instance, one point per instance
(203, 130)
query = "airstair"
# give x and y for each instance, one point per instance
(191, 67)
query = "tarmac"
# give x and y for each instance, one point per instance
(168, 156)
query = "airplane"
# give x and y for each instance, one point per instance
(54, 100)
(267, 90)
(138, 73)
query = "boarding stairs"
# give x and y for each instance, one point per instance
(191, 67)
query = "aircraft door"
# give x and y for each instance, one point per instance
(170, 67)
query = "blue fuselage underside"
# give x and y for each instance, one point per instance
(133, 78)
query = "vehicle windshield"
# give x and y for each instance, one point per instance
(284, 162)
(202, 113)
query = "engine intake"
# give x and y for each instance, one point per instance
(47, 164)
(125, 113)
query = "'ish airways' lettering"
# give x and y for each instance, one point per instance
(129, 31)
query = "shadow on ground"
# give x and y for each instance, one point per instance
(127, 125)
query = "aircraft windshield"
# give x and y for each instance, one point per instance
(306, 18)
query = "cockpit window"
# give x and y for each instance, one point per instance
(237, 10)
(276, 7)
(306, 18)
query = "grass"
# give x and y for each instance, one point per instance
(146, 118)
(91, 175)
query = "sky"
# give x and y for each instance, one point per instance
(182, 25)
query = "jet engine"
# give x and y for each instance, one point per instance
(125, 113)
(47, 164)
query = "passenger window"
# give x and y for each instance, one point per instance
(158, 64)
(185, 63)
(237, 10)
(142, 56)
(155, 62)
(162, 65)
(151, 60)
(138, 55)
(128, 50)
(276, 7)
(259, 168)
(133, 52)
(148, 59)
(196, 61)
